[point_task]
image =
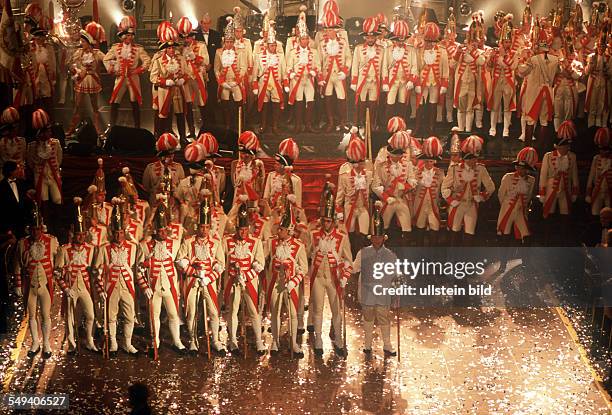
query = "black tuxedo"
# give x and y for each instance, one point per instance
(214, 43)
(14, 213)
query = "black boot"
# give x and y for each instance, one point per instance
(190, 123)
(263, 127)
(202, 112)
(299, 117)
(114, 113)
(180, 126)
(136, 114)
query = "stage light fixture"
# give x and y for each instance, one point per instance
(128, 5)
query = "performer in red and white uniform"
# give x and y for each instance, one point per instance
(558, 183)
(245, 260)
(352, 197)
(336, 59)
(230, 70)
(466, 186)
(304, 73)
(450, 44)
(115, 262)
(270, 77)
(502, 65)
(599, 182)
(170, 72)
(247, 173)
(197, 59)
(283, 187)
(469, 61)
(367, 70)
(515, 194)
(165, 172)
(400, 72)
(100, 211)
(599, 70)
(331, 267)
(393, 180)
(566, 88)
(432, 81)
(12, 147)
(288, 267)
(85, 64)
(158, 255)
(43, 65)
(44, 157)
(34, 266)
(75, 260)
(429, 178)
(127, 61)
(202, 259)
(537, 94)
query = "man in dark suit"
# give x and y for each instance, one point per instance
(13, 199)
(212, 38)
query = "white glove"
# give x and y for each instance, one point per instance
(454, 203)
(378, 190)
(409, 85)
(182, 263)
(241, 279)
(205, 281)
(391, 200)
(225, 85)
(201, 274)
(354, 87)
(312, 73)
(169, 82)
(180, 82)
(587, 199)
(292, 75)
(341, 76)
(417, 89)
(103, 296)
(148, 293)
(343, 282)
(256, 266)
(232, 84)
(385, 88)
(478, 198)
(18, 292)
(574, 198)
(256, 92)
(68, 291)
(290, 286)
(443, 90)
(286, 89)
(340, 216)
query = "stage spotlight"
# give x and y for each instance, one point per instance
(128, 5)
(465, 9)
